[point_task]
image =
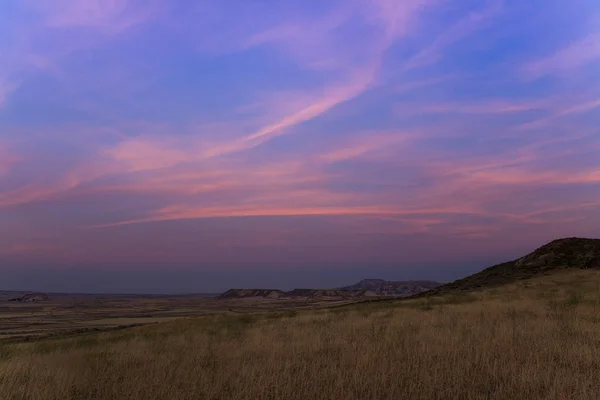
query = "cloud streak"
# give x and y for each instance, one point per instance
(7, 159)
(466, 26)
(108, 16)
(576, 55)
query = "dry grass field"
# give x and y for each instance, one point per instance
(535, 339)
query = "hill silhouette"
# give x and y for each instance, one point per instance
(30, 298)
(241, 293)
(579, 253)
(364, 288)
(392, 288)
(296, 293)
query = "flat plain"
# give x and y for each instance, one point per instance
(65, 314)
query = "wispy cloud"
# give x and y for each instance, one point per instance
(367, 144)
(109, 16)
(6, 87)
(412, 85)
(468, 25)
(40, 190)
(174, 213)
(333, 97)
(394, 20)
(489, 106)
(562, 112)
(7, 159)
(30, 48)
(148, 154)
(391, 21)
(577, 54)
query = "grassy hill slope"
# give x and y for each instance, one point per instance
(578, 253)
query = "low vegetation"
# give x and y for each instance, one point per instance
(534, 339)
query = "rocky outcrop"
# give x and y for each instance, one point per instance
(242, 293)
(392, 288)
(316, 293)
(296, 293)
(30, 298)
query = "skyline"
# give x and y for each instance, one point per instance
(166, 144)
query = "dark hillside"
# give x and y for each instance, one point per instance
(560, 254)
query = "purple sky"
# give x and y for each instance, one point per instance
(176, 146)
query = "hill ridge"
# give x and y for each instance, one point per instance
(364, 288)
(393, 288)
(572, 252)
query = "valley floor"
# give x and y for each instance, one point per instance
(537, 339)
(67, 314)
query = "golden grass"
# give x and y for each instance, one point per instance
(533, 340)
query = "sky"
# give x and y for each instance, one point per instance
(176, 146)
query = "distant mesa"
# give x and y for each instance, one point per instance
(242, 293)
(319, 293)
(364, 288)
(577, 253)
(30, 298)
(393, 288)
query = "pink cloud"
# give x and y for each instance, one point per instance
(29, 249)
(522, 165)
(218, 178)
(461, 29)
(564, 111)
(394, 21)
(333, 96)
(299, 186)
(318, 46)
(109, 16)
(575, 55)
(389, 20)
(309, 41)
(173, 213)
(146, 154)
(489, 107)
(368, 143)
(315, 43)
(7, 159)
(6, 87)
(41, 190)
(179, 167)
(516, 176)
(412, 84)
(464, 185)
(396, 17)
